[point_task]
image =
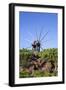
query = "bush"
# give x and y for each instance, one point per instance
(46, 55)
(23, 74)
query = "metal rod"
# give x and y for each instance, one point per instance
(40, 33)
(44, 36)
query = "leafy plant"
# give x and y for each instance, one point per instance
(50, 54)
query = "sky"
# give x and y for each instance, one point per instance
(31, 24)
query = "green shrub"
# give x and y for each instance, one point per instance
(23, 74)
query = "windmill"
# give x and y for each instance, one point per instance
(37, 45)
(37, 42)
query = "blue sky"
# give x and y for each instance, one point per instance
(32, 23)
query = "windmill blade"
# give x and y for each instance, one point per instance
(36, 35)
(28, 40)
(31, 35)
(43, 44)
(44, 36)
(44, 41)
(40, 33)
(41, 48)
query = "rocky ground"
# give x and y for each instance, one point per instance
(38, 66)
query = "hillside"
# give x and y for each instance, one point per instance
(39, 64)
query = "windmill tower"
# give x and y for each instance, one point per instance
(36, 46)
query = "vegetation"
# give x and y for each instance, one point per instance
(41, 64)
